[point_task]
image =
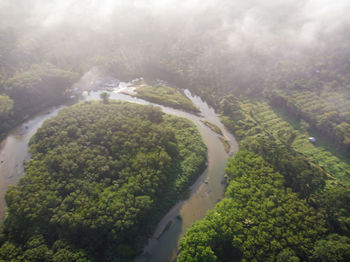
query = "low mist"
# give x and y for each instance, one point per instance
(216, 42)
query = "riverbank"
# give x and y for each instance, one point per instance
(14, 150)
(16, 120)
(202, 196)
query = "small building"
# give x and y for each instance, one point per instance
(312, 139)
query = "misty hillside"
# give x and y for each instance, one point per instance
(277, 76)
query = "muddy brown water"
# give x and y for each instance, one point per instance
(203, 194)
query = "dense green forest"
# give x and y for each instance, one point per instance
(100, 178)
(278, 178)
(276, 71)
(277, 207)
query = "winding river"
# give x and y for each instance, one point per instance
(204, 193)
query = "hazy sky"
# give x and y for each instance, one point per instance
(261, 25)
(307, 18)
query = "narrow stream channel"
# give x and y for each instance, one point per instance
(204, 193)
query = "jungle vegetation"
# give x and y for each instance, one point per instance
(272, 90)
(100, 178)
(275, 177)
(277, 207)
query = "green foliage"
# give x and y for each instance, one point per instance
(41, 85)
(236, 117)
(333, 249)
(284, 146)
(335, 201)
(251, 117)
(326, 110)
(212, 126)
(225, 143)
(6, 105)
(167, 96)
(100, 177)
(30, 91)
(10, 252)
(299, 174)
(283, 142)
(259, 220)
(287, 255)
(314, 89)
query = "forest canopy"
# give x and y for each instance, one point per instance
(100, 177)
(276, 71)
(262, 219)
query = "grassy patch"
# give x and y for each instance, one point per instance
(226, 144)
(212, 126)
(167, 96)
